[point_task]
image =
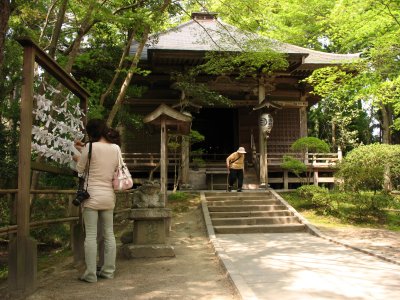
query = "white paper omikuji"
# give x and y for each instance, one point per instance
(55, 139)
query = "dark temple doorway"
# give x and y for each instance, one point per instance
(219, 127)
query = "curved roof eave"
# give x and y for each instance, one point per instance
(214, 35)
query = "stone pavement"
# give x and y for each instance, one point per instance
(299, 266)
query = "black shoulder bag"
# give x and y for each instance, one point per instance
(82, 193)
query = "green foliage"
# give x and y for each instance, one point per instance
(255, 57)
(308, 191)
(364, 167)
(198, 162)
(196, 137)
(62, 182)
(358, 24)
(129, 119)
(300, 22)
(8, 153)
(179, 196)
(50, 207)
(318, 197)
(310, 144)
(344, 207)
(198, 93)
(293, 165)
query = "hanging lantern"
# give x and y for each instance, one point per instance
(266, 123)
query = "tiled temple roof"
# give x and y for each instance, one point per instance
(210, 34)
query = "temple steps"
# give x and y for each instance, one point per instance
(250, 212)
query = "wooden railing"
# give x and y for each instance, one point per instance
(72, 213)
(273, 159)
(310, 159)
(147, 159)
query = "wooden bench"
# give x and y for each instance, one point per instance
(216, 171)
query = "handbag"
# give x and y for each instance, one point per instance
(122, 179)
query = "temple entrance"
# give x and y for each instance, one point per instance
(219, 126)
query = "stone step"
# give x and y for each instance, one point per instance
(273, 228)
(248, 214)
(246, 208)
(254, 221)
(263, 193)
(244, 197)
(243, 202)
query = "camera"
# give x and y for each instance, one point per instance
(81, 195)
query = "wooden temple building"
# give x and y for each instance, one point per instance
(280, 94)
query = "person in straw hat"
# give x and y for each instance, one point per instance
(235, 165)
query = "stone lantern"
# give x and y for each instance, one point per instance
(149, 213)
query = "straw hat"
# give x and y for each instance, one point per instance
(241, 150)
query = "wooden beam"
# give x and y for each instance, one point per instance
(55, 69)
(22, 249)
(37, 166)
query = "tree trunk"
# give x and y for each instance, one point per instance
(333, 126)
(57, 29)
(387, 182)
(87, 24)
(122, 92)
(118, 71)
(385, 124)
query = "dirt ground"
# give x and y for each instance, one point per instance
(195, 272)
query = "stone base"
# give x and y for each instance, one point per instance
(130, 251)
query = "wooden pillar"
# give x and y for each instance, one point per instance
(315, 177)
(164, 161)
(23, 249)
(261, 138)
(185, 160)
(303, 121)
(285, 180)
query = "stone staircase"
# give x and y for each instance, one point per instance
(250, 212)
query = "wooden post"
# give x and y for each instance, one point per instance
(315, 177)
(77, 237)
(185, 160)
(23, 249)
(285, 180)
(261, 138)
(163, 161)
(303, 121)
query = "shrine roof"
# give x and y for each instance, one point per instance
(172, 118)
(211, 34)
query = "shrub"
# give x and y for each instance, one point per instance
(308, 191)
(364, 167)
(293, 165)
(303, 145)
(310, 144)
